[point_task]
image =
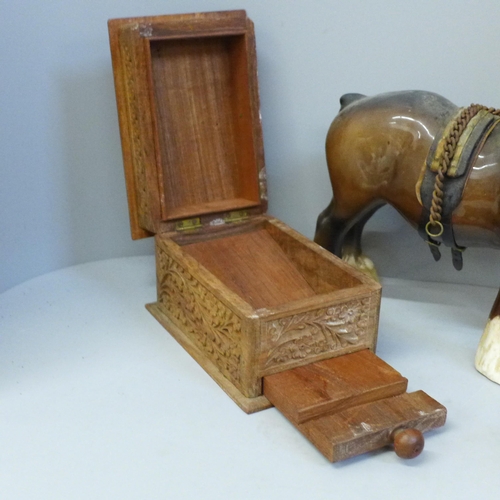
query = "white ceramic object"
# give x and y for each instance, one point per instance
(488, 352)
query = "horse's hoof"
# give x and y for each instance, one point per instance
(361, 263)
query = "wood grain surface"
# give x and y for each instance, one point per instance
(332, 385)
(199, 118)
(254, 266)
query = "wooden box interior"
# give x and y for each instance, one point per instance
(267, 267)
(205, 148)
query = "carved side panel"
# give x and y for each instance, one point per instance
(214, 328)
(342, 327)
(130, 66)
(139, 163)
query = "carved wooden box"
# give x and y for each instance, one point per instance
(253, 301)
(246, 295)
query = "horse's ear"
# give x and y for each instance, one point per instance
(347, 99)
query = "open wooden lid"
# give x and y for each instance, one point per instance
(188, 106)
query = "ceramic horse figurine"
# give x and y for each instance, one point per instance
(437, 164)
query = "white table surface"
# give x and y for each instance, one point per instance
(97, 401)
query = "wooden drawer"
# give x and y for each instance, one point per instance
(354, 404)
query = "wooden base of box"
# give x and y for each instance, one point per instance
(248, 405)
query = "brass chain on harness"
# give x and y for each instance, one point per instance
(449, 149)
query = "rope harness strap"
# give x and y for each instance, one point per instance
(448, 166)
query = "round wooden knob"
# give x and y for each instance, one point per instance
(408, 443)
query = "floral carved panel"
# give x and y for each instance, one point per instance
(214, 328)
(312, 333)
(136, 141)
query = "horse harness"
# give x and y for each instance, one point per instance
(447, 168)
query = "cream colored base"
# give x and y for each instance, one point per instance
(361, 263)
(248, 405)
(488, 352)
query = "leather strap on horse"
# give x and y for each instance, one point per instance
(449, 164)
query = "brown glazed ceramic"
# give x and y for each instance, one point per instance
(376, 148)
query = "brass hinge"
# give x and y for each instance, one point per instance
(188, 224)
(236, 216)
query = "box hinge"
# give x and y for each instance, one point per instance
(237, 216)
(188, 224)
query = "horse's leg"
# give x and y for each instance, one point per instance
(339, 229)
(352, 251)
(488, 352)
(331, 229)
